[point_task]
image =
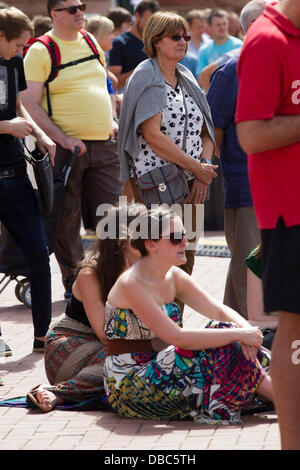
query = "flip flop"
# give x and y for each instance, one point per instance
(31, 397)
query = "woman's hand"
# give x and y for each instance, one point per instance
(197, 193)
(205, 173)
(250, 352)
(251, 336)
(250, 342)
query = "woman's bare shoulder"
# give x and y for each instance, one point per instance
(87, 277)
(178, 273)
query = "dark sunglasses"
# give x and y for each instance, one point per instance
(177, 37)
(72, 10)
(175, 237)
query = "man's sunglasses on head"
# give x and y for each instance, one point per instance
(73, 9)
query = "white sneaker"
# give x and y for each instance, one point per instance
(5, 350)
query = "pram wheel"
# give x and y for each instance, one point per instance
(23, 293)
(18, 288)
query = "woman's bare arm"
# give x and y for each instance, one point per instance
(87, 289)
(189, 292)
(140, 300)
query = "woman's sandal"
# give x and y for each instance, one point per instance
(31, 397)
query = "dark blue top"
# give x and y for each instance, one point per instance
(127, 52)
(222, 97)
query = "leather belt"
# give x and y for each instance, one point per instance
(125, 346)
(13, 171)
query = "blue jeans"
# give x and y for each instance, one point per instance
(19, 212)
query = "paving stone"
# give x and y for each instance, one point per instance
(27, 429)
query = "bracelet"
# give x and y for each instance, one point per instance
(206, 160)
(116, 120)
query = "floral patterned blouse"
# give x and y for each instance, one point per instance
(172, 125)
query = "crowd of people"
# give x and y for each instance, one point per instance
(148, 101)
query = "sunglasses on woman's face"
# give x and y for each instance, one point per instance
(72, 10)
(177, 37)
(175, 237)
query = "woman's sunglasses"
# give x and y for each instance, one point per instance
(177, 37)
(72, 10)
(175, 237)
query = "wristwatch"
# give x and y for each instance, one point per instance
(116, 120)
(206, 160)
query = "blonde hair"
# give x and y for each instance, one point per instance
(100, 25)
(159, 25)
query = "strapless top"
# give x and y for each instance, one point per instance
(123, 323)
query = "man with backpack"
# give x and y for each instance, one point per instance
(19, 210)
(74, 109)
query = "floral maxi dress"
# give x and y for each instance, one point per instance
(208, 386)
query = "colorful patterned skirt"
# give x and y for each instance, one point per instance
(208, 386)
(74, 361)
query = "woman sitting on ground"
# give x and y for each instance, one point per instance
(209, 374)
(75, 346)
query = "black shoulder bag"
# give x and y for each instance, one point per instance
(43, 174)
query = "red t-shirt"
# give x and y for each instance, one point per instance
(269, 76)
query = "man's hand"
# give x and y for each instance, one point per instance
(115, 130)
(19, 127)
(70, 143)
(46, 145)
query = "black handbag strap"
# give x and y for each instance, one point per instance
(28, 156)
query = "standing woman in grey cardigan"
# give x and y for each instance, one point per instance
(159, 97)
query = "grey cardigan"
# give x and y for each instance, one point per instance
(145, 96)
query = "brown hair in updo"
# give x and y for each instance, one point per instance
(149, 226)
(108, 259)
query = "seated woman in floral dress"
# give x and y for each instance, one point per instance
(75, 345)
(208, 374)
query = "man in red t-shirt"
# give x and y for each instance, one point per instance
(268, 126)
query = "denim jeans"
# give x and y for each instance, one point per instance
(19, 212)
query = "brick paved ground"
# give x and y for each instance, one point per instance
(25, 429)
